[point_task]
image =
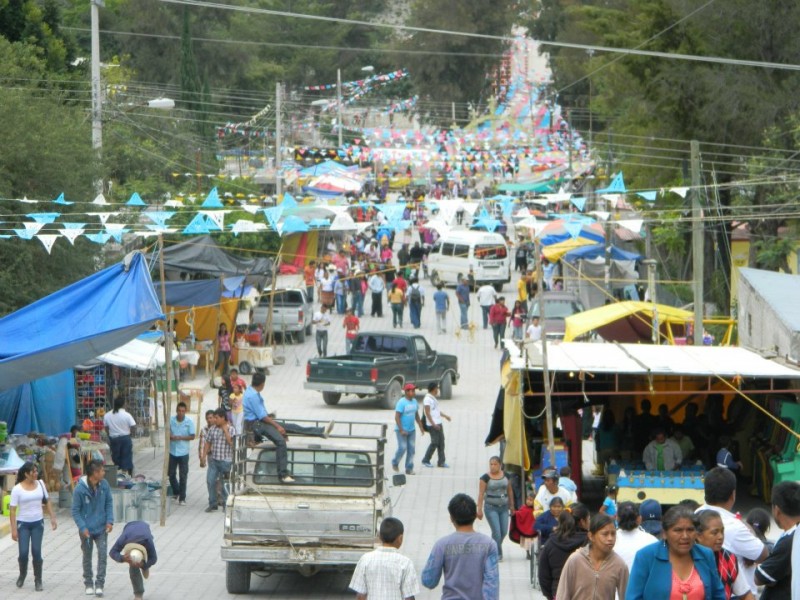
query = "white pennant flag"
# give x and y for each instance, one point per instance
(115, 227)
(48, 239)
(218, 216)
(634, 225)
(251, 208)
(681, 191)
(72, 234)
(99, 199)
(33, 228)
(103, 216)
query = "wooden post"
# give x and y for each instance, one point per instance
(548, 402)
(698, 239)
(268, 323)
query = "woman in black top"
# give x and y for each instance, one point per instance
(571, 534)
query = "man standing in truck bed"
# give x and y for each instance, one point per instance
(258, 421)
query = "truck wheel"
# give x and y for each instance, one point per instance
(245, 368)
(237, 577)
(392, 394)
(301, 336)
(446, 387)
(435, 279)
(331, 398)
(308, 329)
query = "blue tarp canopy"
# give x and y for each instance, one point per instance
(202, 292)
(88, 318)
(46, 405)
(597, 250)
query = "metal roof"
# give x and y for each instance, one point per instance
(647, 359)
(780, 291)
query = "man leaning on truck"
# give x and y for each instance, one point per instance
(258, 421)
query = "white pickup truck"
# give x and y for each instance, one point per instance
(291, 312)
(324, 521)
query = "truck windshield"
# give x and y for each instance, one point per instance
(490, 251)
(283, 298)
(317, 467)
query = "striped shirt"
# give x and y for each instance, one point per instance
(385, 574)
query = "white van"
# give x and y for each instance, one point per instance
(486, 254)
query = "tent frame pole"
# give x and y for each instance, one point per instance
(167, 381)
(268, 323)
(548, 401)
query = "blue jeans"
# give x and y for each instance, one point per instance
(358, 304)
(101, 541)
(30, 537)
(340, 303)
(414, 310)
(485, 311)
(497, 516)
(464, 319)
(122, 452)
(217, 469)
(405, 445)
(397, 314)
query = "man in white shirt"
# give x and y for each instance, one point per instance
(384, 572)
(549, 490)
(534, 331)
(487, 296)
(433, 418)
(720, 494)
(322, 321)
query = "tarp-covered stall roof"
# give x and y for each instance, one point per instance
(203, 255)
(648, 359)
(628, 322)
(75, 324)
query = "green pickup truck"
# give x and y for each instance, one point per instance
(380, 364)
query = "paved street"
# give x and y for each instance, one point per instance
(188, 546)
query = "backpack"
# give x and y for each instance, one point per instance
(415, 295)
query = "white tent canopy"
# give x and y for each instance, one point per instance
(138, 355)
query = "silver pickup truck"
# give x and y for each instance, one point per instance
(291, 312)
(324, 521)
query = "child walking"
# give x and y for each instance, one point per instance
(610, 503)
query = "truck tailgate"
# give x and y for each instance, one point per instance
(326, 520)
(347, 369)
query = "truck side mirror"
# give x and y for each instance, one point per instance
(398, 480)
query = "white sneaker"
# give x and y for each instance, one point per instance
(328, 429)
(89, 590)
(287, 479)
(98, 592)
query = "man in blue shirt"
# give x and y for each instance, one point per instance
(258, 421)
(441, 302)
(462, 293)
(181, 432)
(406, 418)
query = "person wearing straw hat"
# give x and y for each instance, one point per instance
(136, 547)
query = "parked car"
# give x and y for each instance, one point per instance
(557, 307)
(380, 364)
(291, 312)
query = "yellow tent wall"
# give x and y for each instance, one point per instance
(206, 318)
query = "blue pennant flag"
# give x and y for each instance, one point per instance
(159, 217)
(43, 217)
(649, 195)
(578, 202)
(197, 225)
(61, 200)
(288, 201)
(319, 223)
(73, 225)
(273, 214)
(212, 200)
(617, 186)
(25, 234)
(135, 200)
(98, 238)
(293, 224)
(573, 228)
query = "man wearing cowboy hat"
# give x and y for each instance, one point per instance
(136, 547)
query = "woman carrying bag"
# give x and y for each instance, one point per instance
(29, 499)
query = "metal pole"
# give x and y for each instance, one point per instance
(278, 160)
(697, 244)
(548, 402)
(167, 380)
(651, 286)
(268, 323)
(339, 104)
(97, 99)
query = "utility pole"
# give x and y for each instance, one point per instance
(453, 113)
(97, 97)
(339, 104)
(278, 161)
(548, 399)
(651, 286)
(697, 244)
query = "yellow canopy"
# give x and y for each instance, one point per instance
(555, 251)
(622, 320)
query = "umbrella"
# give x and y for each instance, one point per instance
(561, 230)
(333, 185)
(627, 322)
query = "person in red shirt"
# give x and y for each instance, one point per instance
(351, 326)
(498, 315)
(525, 524)
(400, 281)
(309, 272)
